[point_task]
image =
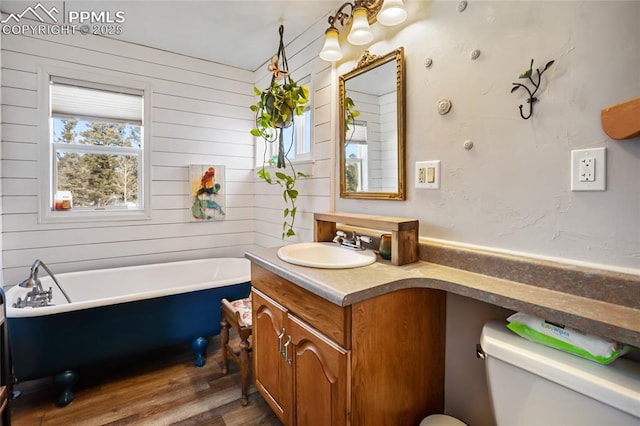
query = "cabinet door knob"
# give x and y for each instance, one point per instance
(286, 350)
(280, 337)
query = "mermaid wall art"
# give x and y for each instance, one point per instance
(207, 192)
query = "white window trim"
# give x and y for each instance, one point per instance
(304, 163)
(46, 157)
(304, 156)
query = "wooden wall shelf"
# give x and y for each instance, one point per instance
(404, 231)
(622, 121)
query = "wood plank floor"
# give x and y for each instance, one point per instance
(166, 389)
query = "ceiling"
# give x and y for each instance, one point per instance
(241, 33)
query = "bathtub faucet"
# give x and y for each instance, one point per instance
(38, 296)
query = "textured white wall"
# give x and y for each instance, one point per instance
(511, 191)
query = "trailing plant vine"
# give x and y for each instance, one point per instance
(290, 195)
(277, 106)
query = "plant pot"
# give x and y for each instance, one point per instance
(277, 115)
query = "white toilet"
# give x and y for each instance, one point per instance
(531, 384)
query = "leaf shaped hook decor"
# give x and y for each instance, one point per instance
(528, 74)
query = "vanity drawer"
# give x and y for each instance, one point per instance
(330, 319)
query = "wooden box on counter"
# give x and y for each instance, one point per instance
(404, 232)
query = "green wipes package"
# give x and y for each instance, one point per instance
(566, 339)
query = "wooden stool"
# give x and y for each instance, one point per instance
(237, 314)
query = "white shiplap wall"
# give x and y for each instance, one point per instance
(389, 142)
(315, 191)
(200, 115)
(369, 108)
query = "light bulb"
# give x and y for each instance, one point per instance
(331, 50)
(392, 13)
(360, 32)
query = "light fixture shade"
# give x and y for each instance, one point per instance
(392, 13)
(331, 50)
(360, 32)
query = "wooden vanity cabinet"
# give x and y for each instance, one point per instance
(377, 362)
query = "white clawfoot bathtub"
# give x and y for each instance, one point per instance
(119, 312)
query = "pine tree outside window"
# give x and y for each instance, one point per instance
(96, 152)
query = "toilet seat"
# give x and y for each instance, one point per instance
(441, 420)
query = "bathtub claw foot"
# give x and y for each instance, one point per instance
(65, 380)
(199, 348)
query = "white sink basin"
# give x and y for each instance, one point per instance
(325, 255)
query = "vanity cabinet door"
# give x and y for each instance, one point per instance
(320, 377)
(272, 375)
(302, 374)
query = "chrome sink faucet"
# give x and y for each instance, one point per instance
(354, 241)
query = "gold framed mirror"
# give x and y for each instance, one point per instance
(372, 136)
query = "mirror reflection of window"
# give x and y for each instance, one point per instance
(354, 174)
(356, 154)
(357, 176)
(357, 133)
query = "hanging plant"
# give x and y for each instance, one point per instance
(278, 104)
(275, 110)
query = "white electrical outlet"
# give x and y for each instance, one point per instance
(428, 174)
(588, 169)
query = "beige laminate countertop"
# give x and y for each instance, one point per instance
(345, 287)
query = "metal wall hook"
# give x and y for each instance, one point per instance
(536, 84)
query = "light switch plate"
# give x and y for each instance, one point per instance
(588, 169)
(428, 174)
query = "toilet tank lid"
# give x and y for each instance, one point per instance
(616, 384)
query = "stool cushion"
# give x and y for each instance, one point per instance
(241, 307)
(441, 420)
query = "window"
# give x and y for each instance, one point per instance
(296, 138)
(96, 151)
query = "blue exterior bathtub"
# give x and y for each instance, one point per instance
(63, 338)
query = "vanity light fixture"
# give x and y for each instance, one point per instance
(362, 14)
